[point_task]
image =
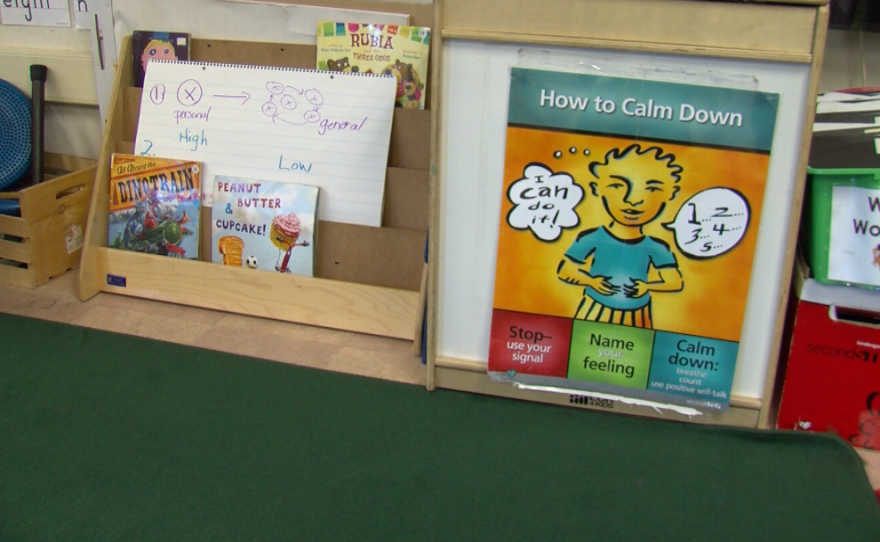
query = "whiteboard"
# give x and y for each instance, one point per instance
(326, 129)
(475, 86)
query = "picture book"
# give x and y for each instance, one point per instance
(147, 45)
(630, 212)
(402, 51)
(268, 225)
(154, 205)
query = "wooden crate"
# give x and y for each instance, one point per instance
(367, 278)
(46, 240)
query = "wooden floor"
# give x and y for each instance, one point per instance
(365, 355)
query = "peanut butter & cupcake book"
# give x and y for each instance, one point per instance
(266, 225)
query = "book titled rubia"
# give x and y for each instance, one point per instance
(154, 205)
(386, 49)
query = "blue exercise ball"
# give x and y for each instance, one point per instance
(15, 135)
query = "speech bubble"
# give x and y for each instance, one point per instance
(711, 223)
(544, 202)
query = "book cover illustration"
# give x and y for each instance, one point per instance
(629, 220)
(401, 51)
(267, 225)
(154, 205)
(147, 45)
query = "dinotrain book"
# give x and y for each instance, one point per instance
(154, 205)
(267, 225)
(387, 49)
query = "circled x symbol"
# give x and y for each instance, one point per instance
(288, 102)
(189, 92)
(157, 94)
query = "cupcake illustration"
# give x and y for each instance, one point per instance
(285, 234)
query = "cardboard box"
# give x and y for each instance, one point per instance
(832, 379)
(46, 240)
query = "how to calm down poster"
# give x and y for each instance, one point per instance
(629, 218)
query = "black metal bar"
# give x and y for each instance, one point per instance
(38, 88)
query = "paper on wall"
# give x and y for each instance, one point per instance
(96, 16)
(35, 13)
(302, 20)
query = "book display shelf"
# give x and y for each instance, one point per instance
(774, 48)
(367, 279)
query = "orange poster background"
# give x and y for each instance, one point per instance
(712, 303)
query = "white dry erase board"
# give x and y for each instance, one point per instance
(327, 129)
(475, 88)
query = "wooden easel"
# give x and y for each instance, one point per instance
(788, 31)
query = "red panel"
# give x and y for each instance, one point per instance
(529, 343)
(832, 382)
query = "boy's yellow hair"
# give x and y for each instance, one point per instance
(635, 158)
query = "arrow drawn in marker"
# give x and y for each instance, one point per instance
(244, 95)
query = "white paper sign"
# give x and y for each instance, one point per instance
(854, 254)
(83, 18)
(35, 12)
(96, 16)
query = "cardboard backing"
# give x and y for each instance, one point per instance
(389, 256)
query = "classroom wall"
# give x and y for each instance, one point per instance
(851, 58)
(73, 124)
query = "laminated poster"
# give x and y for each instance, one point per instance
(629, 219)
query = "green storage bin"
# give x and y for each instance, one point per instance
(818, 213)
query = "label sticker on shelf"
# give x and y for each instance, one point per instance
(116, 280)
(74, 239)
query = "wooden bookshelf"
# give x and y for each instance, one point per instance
(367, 280)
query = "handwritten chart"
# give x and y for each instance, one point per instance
(328, 129)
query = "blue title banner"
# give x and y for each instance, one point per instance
(701, 115)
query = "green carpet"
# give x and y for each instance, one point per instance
(109, 437)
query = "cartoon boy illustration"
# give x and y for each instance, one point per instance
(157, 49)
(613, 263)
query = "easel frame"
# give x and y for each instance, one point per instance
(787, 31)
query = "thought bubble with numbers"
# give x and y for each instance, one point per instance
(544, 202)
(711, 223)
